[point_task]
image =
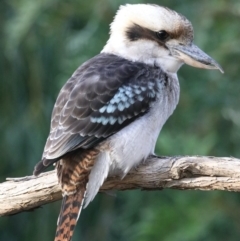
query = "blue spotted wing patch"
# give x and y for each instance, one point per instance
(130, 100)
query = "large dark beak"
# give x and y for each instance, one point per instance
(194, 56)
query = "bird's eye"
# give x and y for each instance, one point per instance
(162, 35)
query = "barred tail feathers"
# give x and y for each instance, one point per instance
(73, 173)
(69, 214)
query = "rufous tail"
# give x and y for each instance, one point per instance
(68, 217)
(73, 172)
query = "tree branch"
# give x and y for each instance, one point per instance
(188, 172)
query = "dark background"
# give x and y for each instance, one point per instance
(43, 42)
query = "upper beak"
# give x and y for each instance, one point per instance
(194, 56)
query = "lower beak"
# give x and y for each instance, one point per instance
(194, 56)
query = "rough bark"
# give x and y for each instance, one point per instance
(188, 172)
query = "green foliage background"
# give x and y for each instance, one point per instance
(43, 42)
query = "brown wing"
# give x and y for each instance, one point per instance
(104, 95)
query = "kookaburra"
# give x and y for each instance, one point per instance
(109, 114)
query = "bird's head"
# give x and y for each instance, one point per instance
(156, 35)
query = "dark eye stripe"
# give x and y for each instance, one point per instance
(137, 32)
